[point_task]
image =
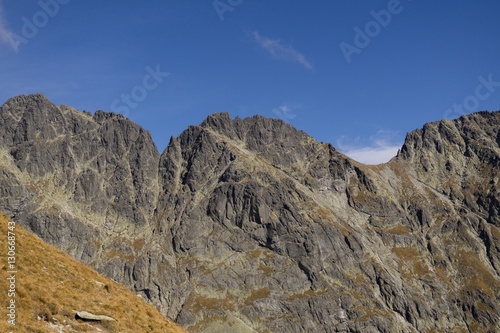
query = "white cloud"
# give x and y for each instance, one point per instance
(6, 36)
(372, 155)
(281, 51)
(380, 149)
(284, 112)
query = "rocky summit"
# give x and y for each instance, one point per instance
(249, 225)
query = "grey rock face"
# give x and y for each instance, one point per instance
(248, 225)
(74, 179)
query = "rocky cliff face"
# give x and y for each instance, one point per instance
(249, 225)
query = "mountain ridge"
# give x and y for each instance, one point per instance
(250, 225)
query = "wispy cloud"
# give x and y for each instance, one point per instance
(380, 149)
(279, 50)
(6, 36)
(284, 112)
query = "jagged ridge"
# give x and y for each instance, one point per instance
(249, 224)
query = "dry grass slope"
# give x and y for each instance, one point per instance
(51, 286)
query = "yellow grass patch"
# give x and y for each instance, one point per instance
(411, 264)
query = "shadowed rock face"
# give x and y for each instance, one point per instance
(249, 225)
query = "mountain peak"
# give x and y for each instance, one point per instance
(477, 131)
(253, 128)
(22, 100)
(217, 119)
(281, 144)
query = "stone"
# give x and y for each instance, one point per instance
(87, 316)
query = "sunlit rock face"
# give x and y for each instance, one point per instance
(249, 225)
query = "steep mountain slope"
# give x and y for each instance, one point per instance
(50, 287)
(249, 225)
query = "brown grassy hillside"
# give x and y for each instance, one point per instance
(51, 287)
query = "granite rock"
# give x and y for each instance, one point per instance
(249, 225)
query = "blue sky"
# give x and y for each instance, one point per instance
(357, 74)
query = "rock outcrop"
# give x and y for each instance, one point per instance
(87, 316)
(248, 225)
